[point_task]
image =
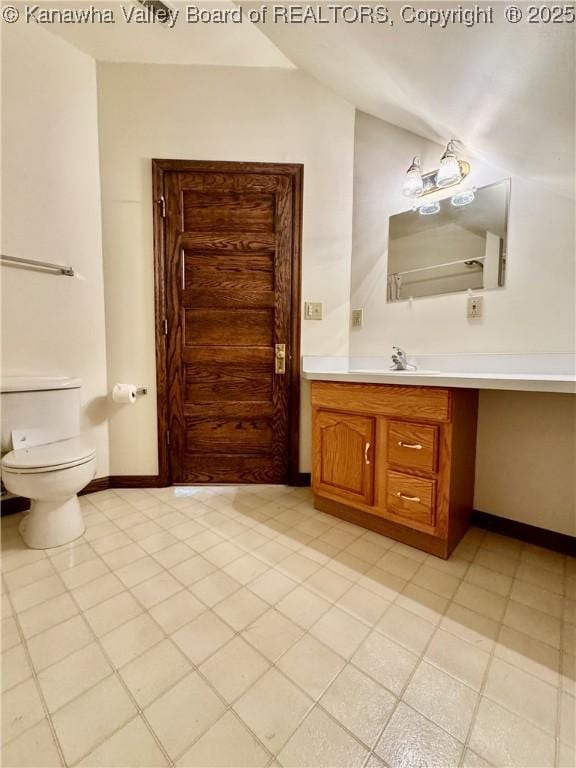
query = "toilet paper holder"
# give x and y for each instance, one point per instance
(127, 393)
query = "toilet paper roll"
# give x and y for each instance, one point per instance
(124, 393)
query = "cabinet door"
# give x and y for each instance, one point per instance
(343, 456)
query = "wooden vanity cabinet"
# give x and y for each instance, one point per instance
(398, 460)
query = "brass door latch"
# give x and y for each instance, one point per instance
(280, 358)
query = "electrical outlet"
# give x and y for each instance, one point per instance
(312, 310)
(357, 318)
(474, 307)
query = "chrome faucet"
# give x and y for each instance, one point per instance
(400, 362)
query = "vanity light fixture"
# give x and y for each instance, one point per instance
(452, 171)
(413, 184)
(463, 197)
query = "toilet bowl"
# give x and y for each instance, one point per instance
(50, 475)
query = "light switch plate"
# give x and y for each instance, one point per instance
(474, 311)
(313, 310)
(357, 318)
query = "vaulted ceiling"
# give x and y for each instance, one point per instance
(507, 91)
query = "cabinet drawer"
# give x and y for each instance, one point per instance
(396, 401)
(412, 498)
(413, 445)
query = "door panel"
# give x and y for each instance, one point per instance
(239, 327)
(229, 255)
(228, 271)
(215, 382)
(228, 211)
(232, 435)
(343, 451)
(242, 243)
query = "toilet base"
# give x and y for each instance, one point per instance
(52, 523)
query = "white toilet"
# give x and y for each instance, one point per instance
(50, 462)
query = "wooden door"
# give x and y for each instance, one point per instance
(231, 297)
(343, 451)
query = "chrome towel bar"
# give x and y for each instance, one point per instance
(61, 269)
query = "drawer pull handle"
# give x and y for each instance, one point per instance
(407, 498)
(366, 449)
(414, 446)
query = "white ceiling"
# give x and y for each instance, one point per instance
(240, 45)
(506, 90)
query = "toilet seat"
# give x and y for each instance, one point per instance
(50, 457)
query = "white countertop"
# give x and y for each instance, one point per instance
(526, 373)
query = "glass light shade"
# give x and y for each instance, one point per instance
(449, 171)
(465, 197)
(413, 184)
(429, 208)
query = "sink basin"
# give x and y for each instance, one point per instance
(387, 372)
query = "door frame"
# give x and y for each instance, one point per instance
(296, 172)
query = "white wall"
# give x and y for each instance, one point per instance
(214, 113)
(53, 325)
(525, 458)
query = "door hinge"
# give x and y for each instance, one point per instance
(167, 437)
(162, 203)
(165, 324)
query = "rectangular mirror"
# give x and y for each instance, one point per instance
(457, 248)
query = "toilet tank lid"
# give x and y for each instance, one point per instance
(38, 383)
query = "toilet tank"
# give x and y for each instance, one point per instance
(46, 409)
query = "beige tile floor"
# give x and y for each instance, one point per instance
(238, 626)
